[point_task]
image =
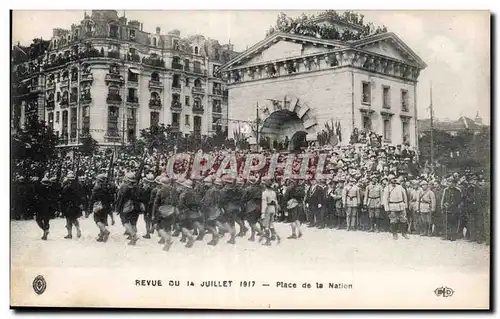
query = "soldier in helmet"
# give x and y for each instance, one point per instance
(190, 216)
(252, 197)
(269, 209)
(293, 199)
(146, 191)
(72, 201)
(230, 201)
(240, 215)
(100, 202)
(210, 207)
(43, 212)
(338, 202)
(426, 207)
(164, 210)
(128, 206)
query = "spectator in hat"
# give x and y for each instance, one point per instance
(426, 208)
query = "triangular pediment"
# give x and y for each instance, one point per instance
(282, 46)
(388, 44)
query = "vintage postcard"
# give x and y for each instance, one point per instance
(330, 159)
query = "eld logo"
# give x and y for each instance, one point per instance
(444, 292)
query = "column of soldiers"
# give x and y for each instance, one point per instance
(232, 207)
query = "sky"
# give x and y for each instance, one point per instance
(454, 44)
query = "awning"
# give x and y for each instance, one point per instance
(135, 71)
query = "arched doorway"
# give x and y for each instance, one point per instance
(298, 141)
(281, 128)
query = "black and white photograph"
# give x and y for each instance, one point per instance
(242, 159)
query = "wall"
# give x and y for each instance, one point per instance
(327, 93)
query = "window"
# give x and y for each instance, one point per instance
(51, 120)
(197, 83)
(406, 131)
(215, 71)
(176, 82)
(154, 42)
(186, 65)
(113, 114)
(154, 119)
(131, 123)
(58, 96)
(175, 44)
(186, 119)
(186, 99)
(73, 115)
(367, 123)
(195, 50)
(113, 31)
(131, 34)
(197, 103)
(175, 119)
(197, 67)
(65, 123)
(155, 77)
(58, 77)
(386, 97)
(216, 124)
(133, 76)
(86, 120)
(187, 82)
(387, 130)
(216, 106)
(132, 95)
(366, 98)
(405, 107)
(57, 116)
(176, 63)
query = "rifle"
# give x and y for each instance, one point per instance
(110, 168)
(141, 168)
(77, 167)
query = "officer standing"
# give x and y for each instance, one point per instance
(451, 206)
(72, 200)
(426, 207)
(351, 200)
(269, 209)
(471, 207)
(373, 202)
(396, 203)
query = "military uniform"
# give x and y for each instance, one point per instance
(395, 203)
(190, 216)
(338, 204)
(351, 200)
(426, 206)
(164, 210)
(471, 197)
(72, 201)
(317, 198)
(373, 202)
(43, 213)
(128, 206)
(451, 205)
(269, 209)
(100, 203)
(252, 197)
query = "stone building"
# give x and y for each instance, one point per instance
(301, 83)
(107, 77)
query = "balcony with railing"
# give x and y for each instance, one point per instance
(176, 105)
(50, 104)
(175, 126)
(64, 102)
(198, 109)
(133, 58)
(86, 77)
(114, 98)
(198, 90)
(154, 61)
(64, 82)
(114, 55)
(115, 78)
(73, 99)
(155, 104)
(177, 66)
(176, 87)
(85, 98)
(198, 70)
(51, 85)
(216, 91)
(132, 100)
(155, 84)
(187, 68)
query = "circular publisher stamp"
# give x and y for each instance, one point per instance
(39, 285)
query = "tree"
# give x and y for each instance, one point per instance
(36, 142)
(89, 145)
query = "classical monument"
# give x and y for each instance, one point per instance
(300, 83)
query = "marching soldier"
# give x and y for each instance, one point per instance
(451, 205)
(395, 203)
(100, 204)
(146, 194)
(293, 200)
(269, 209)
(351, 199)
(43, 212)
(128, 206)
(230, 203)
(426, 207)
(239, 216)
(211, 208)
(164, 210)
(252, 197)
(189, 212)
(373, 202)
(72, 204)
